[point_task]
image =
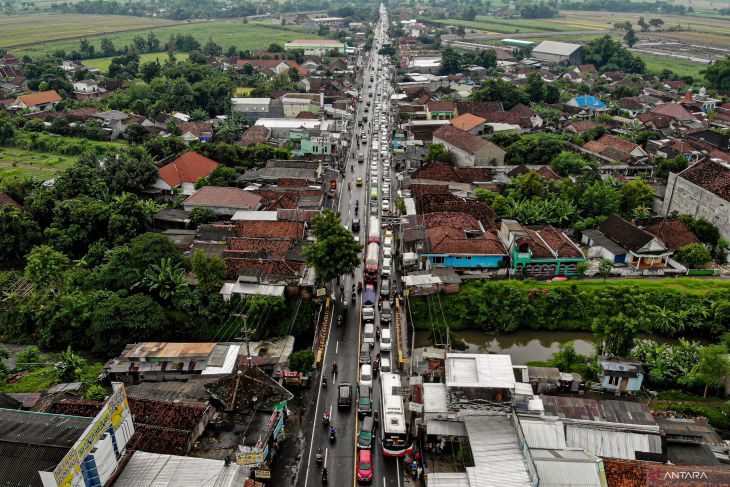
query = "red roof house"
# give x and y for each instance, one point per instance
(184, 172)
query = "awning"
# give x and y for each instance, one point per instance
(445, 428)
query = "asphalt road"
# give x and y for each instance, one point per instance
(343, 342)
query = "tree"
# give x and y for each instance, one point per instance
(45, 266)
(77, 223)
(642, 23)
(210, 271)
(693, 255)
(150, 70)
(438, 152)
(656, 23)
(95, 392)
(616, 334)
(568, 360)
(7, 130)
(630, 38)
(581, 268)
(606, 54)
(220, 176)
(70, 366)
(499, 90)
(29, 358)
(165, 279)
(107, 47)
(636, 193)
(535, 87)
(128, 217)
(604, 268)
(705, 231)
(674, 165)
(302, 361)
(127, 172)
(117, 321)
(199, 115)
(451, 62)
(136, 133)
(199, 216)
(718, 74)
(599, 198)
(79, 179)
(18, 233)
(335, 251)
(713, 367)
(567, 163)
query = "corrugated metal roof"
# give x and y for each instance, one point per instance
(559, 48)
(543, 433)
(445, 428)
(611, 443)
(155, 470)
(168, 350)
(229, 362)
(450, 479)
(496, 452)
(434, 398)
(479, 370)
(566, 468)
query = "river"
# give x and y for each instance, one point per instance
(527, 345)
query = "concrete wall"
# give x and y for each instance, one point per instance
(685, 197)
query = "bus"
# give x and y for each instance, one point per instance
(372, 261)
(394, 434)
(374, 228)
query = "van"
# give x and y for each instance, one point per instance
(344, 395)
(385, 342)
(367, 433)
(368, 334)
(365, 353)
(386, 313)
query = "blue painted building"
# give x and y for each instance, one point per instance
(591, 104)
(620, 374)
(464, 249)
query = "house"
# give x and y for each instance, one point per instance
(580, 126)
(590, 103)
(540, 251)
(255, 135)
(6, 200)
(675, 111)
(329, 22)
(317, 47)
(201, 131)
(252, 108)
(673, 233)
(459, 240)
(616, 149)
(440, 110)
(39, 102)
(703, 191)
(88, 89)
(469, 123)
(634, 247)
(620, 374)
(222, 200)
(558, 52)
(276, 66)
(469, 150)
(184, 172)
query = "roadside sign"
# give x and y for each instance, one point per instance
(262, 473)
(415, 407)
(321, 292)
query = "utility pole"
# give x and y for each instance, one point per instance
(246, 335)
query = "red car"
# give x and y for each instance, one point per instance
(364, 466)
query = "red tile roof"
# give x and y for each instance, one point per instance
(718, 154)
(587, 68)
(187, 168)
(712, 176)
(6, 200)
(479, 109)
(271, 247)
(637, 473)
(442, 171)
(418, 189)
(292, 183)
(625, 233)
(196, 128)
(549, 243)
(548, 173)
(40, 98)
(455, 220)
(257, 134)
(463, 140)
(675, 111)
(467, 122)
(265, 268)
(266, 229)
(440, 106)
(446, 240)
(673, 233)
(582, 125)
(226, 197)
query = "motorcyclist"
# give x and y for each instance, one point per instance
(333, 431)
(349, 186)
(319, 456)
(324, 381)
(326, 416)
(334, 368)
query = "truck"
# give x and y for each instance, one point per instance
(368, 296)
(372, 259)
(374, 230)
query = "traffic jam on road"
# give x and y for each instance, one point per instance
(363, 433)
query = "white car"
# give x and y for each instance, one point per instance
(385, 205)
(386, 267)
(366, 375)
(388, 247)
(385, 342)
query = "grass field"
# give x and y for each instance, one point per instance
(16, 162)
(510, 26)
(104, 62)
(225, 33)
(683, 284)
(23, 29)
(681, 67)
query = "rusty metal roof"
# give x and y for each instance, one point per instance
(168, 350)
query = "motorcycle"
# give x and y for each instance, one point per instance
(326, 418)
(324, 382)
(359, 286)
(354, 295)
(324, 475)
(319, 457)
(333, 433)
(339, 321)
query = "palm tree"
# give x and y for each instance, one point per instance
(166, 279)
(665, 320)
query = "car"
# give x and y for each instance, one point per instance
(364, 401)
(364, 466)
(385, 288)
(385, 271)
(386, 313)
(387, 247)
(365, 357)
(344, 395)
(373, 191)
(385, 341)
(364, 141)
(366, 375)
(388, 234)
(374, 208)
(355, 224)
(368, 333)
(357, 239)
(384, 364)
(358, 182)
(366, 435)
(385, 205)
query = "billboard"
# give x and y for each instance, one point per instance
(68, 472)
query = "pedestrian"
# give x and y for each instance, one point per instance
(418, 456)
(377, 333)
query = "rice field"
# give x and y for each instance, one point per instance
(682, 67)
(19, 163)
(26, 29)
(103, 62)
(225, 33)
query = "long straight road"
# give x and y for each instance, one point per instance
(370, 140)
